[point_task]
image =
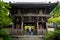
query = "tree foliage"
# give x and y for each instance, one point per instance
(4, 16)
(55, 15)
(4, 20)
(56, 11)
(54, 20)
(55, 35)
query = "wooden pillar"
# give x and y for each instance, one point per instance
(37, 25)
(46, 26)
(22, 26)
(29, 18)
(19, 11)
(17, 23)
(40, 11)
(42, 19)
(12, 28)
(13, 23)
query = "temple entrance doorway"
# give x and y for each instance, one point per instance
(29, 28)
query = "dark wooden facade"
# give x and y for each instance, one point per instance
(30, 14)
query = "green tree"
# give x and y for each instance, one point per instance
(4, 15)
(55, 14)
(4, 20)
(55, 35)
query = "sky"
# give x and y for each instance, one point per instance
(52, 1)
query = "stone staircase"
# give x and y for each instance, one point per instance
(28, 37)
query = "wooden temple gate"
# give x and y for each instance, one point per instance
(38, 21)
(35, 15)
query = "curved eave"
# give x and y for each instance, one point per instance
(32, 5)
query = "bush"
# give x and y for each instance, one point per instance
(52, 35)
(4, 35)
(58, 27)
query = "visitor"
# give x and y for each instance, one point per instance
(27, 31)
(32, 32)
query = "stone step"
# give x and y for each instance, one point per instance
(30, 37)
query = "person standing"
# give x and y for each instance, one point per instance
(32, 32)
(27, 31)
